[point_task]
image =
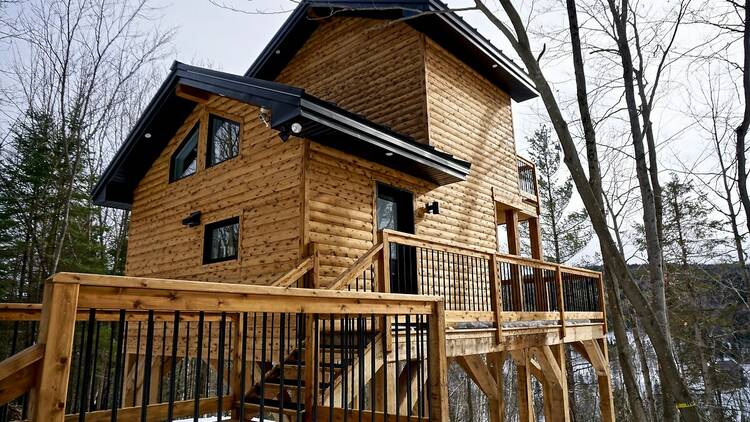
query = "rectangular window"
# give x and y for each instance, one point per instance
(183, 162)
(223, 139)
(221, 240)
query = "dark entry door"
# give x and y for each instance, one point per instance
(395, 211)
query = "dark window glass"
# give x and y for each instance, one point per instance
(184, 162)
(221, 240)
(223, 140)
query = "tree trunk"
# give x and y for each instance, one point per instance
(618, 266)
(742, 129)
(645, 370)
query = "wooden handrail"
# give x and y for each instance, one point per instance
(448, 246)
(18, 372)
(347, 277)
(295, 273)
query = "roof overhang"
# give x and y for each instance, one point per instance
(430, 17)
(321, 121)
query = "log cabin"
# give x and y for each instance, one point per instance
(317, 239)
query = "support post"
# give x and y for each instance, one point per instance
(497, 298)
(496, 361)
(438, 371)
(384, 284)
(605, 385)
(235, 386)
(56, 332)
(514, 248)
(310, 366)
(535, 232)
(560, 300)
(525, 394)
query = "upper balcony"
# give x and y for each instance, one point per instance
(527, 182)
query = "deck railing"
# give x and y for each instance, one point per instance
(527, 177)
(122, 348)
(478, 285)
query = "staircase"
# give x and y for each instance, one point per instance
(346, 362)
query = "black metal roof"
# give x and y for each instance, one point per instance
(321, 121)
(431, 17)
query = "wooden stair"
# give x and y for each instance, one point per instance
(338, 366)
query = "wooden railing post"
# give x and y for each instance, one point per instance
(56, 332)
(560, 300)
(313, 278)
(384, 283)
(602, 304)
(311, 346)
(238, 382)
(497, 298)
(438, 370)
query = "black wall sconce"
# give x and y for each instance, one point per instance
(194, 219)
(432, 207)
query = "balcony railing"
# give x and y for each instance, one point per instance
(527, 177)
(478, 285)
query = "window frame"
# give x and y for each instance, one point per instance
(209, 137)
(208, 236)
(195, 130)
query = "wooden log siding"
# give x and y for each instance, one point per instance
(367, 66)
(262, 186)
(471, 118)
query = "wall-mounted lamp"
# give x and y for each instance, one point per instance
(265, 116)
(432, 207)
(194, 219)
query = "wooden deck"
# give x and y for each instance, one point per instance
(184, 348)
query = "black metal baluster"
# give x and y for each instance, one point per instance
(198, 363)
(396, 375)
(301, 328)
(92, 393)
(243, 367)
(208, 360)
(186, 361)
(263, 342)
(146, 386)
(161, 364)
(361, 360)
(119, 365)
(372, 365)
(408, 366)
(137, 358)
(87, 365)
(220, 367)
(105, 388)
(173, 373)
(282, 351)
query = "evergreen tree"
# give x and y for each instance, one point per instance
(564, 231)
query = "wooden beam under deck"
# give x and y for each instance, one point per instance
(481, 341)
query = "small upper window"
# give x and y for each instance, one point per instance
(221, 240)
(184, 162)
(223, 140)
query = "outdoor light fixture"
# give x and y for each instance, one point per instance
(432, 207)
(194, 219)
(147, 135)
(389, 154)
(265, 116)
(296, 128)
